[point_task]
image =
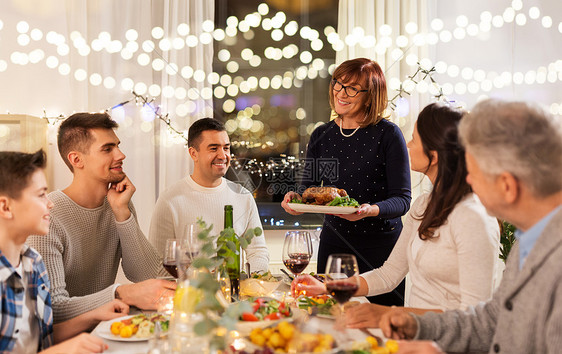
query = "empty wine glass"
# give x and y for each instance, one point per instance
(169, 262)
(342, 277)
(297, 251)
(221, 274)
(188, 247)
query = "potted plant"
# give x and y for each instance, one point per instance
(507, 238)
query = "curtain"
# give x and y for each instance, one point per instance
(370, 15)
(63, 79)
(379, 19)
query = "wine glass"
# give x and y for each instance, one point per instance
(342, 278)
(170, 263)
(221, 274)
(297, 251)
(188, 247)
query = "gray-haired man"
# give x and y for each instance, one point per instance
(514, 160)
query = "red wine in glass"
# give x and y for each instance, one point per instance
(171, 268)
(342, 290)
(170, 262)
(297, 262)
(342, 279)
(297, 251)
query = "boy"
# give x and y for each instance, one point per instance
(26, 325)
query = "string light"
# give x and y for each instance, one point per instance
(253, 166)
(420, 76)
(476, 79)
(356, 37)
(268, 168)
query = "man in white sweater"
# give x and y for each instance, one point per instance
(205, 193)
(94, 226)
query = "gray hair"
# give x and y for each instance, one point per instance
(520, 138)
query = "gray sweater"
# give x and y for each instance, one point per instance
(525, 314)
(82, 252)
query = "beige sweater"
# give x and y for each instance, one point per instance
(82, 252)
(459, 268)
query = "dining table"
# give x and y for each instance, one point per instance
(328, 325)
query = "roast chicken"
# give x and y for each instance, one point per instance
(322, 195)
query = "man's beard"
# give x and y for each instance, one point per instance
(113, 179)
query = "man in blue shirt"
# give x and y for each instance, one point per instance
(514, 162)
(26, 323)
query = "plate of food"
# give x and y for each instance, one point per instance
(133, 328)
(320, 306)
(259, 285)
(373, 345)
(324, 200)
(265, 312)
(285, 337)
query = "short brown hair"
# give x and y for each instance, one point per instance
(370, 76)
(17, 168)
(201, 125)
(74, 132)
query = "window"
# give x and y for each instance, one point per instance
(274, 67)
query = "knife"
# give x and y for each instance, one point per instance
(287, 274)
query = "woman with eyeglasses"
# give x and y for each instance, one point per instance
(365, 154)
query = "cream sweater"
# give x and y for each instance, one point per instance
(82, 252)
(185, 201)
(459, 268)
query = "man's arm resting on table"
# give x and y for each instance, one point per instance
(146, 294)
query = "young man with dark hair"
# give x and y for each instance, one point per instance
(26, 324)
(205, 193)
(196, 130)
(94, 226)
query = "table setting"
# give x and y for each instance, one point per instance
(262, 316)
(325, 321)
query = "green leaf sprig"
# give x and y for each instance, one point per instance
(211, 256)
(507, 239)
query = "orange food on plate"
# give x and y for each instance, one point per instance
(141, 326)
(126, 331)
(286, 338)
(116, 327)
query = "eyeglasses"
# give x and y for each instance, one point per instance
(350, 91)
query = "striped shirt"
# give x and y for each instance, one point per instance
(12, 287)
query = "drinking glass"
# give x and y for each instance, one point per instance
(170, 263)
(297, 251)
(342, 277)
(188, 247)
(221, 274)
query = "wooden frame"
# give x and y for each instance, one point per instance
(25, 133)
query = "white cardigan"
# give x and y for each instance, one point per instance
(460, 267)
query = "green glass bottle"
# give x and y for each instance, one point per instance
(231, 252)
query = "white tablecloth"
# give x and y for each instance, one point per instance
(143, 347)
